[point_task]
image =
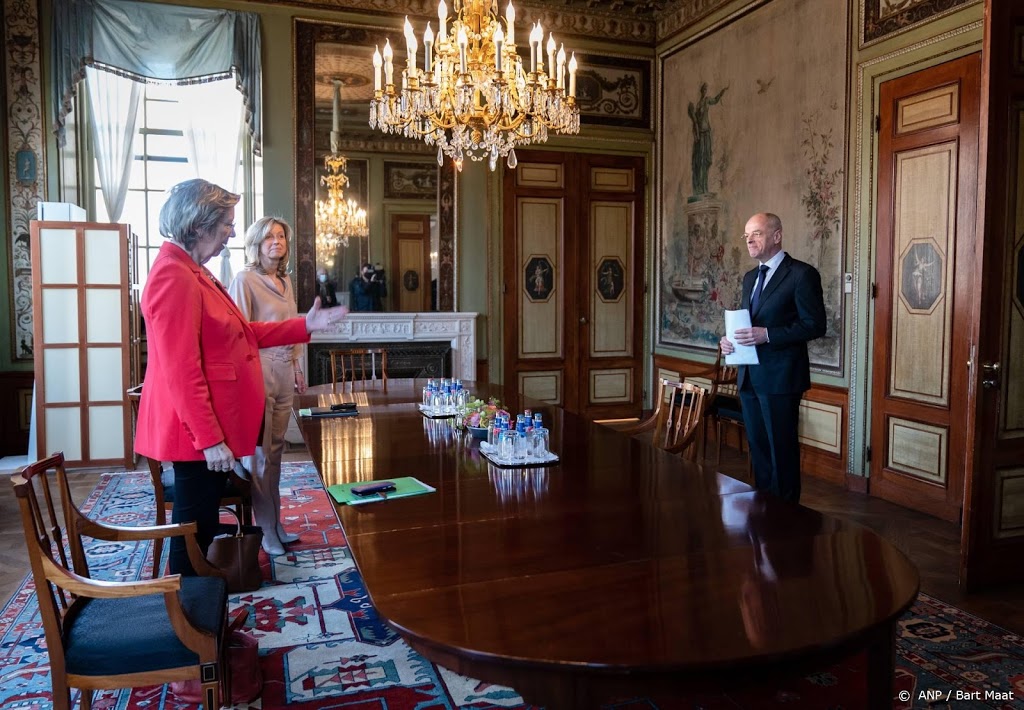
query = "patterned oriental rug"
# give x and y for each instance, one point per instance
(322, 644)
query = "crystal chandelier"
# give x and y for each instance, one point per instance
(473, 96)
(337, 219)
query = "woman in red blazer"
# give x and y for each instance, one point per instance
(202, 397)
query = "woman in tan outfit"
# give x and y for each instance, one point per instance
(263, 292)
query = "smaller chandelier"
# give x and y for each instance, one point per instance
(473, 97)
(337, 219)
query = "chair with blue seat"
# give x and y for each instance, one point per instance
(102, 634)
(237, 491)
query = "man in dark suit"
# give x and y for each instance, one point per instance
(787, 310)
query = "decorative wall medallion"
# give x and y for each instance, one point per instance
(410, 280)
(921, 276)
(26, 164)
(611, 279)
(539, 279)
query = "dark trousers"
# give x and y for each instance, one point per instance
(197, 493)
(771, 421)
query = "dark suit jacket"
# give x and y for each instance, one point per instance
(793, 310)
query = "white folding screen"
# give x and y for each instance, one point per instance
(80, 287)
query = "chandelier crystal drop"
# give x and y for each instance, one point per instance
(337, 219)
(472, 96)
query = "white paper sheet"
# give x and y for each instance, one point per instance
(744, 354)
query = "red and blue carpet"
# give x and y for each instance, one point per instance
(322, 644)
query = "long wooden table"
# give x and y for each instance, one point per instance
(621, 570)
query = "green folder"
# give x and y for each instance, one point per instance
(404, 487)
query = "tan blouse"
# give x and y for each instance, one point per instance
(260, 298)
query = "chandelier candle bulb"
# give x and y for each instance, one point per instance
(377, 63)
(561, 67)
(463, 41)
(411, 47)
(389, 69)
(499, 40)
(428, 47)
(572, 75)
(551, 55)
(510, 20)
(442, 18)
(536, 37)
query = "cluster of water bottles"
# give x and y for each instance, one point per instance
(445, 395)
(528, 439)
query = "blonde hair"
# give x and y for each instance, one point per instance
(254, 236)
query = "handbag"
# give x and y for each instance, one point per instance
(246, 676)
(237, 555)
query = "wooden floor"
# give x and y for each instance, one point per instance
(933, 545)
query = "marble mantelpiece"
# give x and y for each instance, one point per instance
(457, 328)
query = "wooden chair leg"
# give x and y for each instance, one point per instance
(718, 441)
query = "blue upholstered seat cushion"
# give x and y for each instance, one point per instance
(116, 636)
(167, 481)
(726, 407)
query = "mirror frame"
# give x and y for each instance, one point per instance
(306, 34)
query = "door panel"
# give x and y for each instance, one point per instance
(410, 259)
(993, 530)
(927, 196)
(573, 254)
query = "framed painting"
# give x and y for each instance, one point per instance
(744, 131)
(410, 181)
(614, 91)
(881, 19)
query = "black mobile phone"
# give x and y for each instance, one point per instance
(371, 488)
(343, 407)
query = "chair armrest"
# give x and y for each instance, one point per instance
(640, 427)
(118, 533)
(100, 589)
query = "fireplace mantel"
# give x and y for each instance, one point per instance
(457, 328)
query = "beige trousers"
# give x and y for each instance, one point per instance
(265, 463)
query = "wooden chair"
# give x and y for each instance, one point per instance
(724, 407)
(237, 491)
(360, 365)
(101, 634)
(676, 419)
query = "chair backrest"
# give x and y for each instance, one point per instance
(349, 366)
(51, 538)
(681, 406)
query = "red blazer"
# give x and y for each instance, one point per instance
(203, 380)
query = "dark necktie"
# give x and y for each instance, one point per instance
(755, 300)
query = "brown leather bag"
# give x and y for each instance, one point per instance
(246, 675)
(237, 555)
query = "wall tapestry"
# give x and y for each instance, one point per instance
(885, 18)
(752, 122)
(26, 163)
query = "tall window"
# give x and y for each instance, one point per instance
(161, 161)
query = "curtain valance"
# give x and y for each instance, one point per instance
(151, 42)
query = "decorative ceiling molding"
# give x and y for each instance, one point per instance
(626, 20)
(683, 13)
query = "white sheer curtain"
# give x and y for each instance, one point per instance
(214, 120)
(113, 117)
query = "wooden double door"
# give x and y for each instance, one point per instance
(573, 281)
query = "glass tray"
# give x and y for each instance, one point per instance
(432, 414)
(491, 454)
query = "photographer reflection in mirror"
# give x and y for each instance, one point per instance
(325, 288)
(368, 289)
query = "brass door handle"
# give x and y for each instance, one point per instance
(990, 375)
(583, 320)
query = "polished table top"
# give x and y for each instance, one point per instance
(619, 558)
